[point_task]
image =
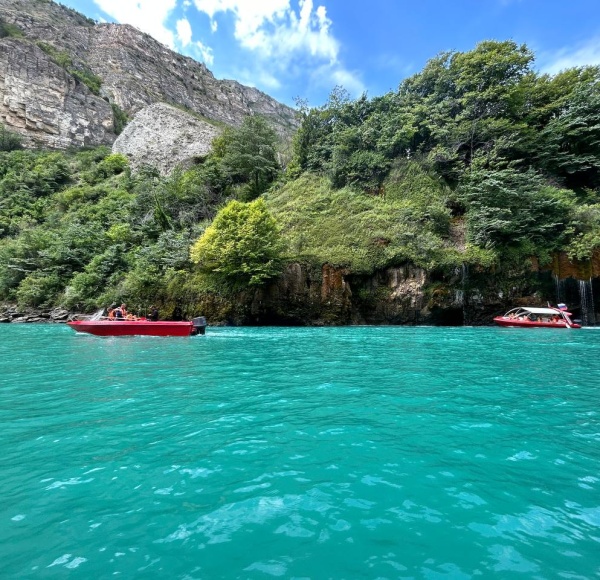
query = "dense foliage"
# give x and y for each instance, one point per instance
(9, 141)
(520, 150)
(77, 229)
(477, 159)
(242, 245)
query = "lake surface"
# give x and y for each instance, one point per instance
(361, 452)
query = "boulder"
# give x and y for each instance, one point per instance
(165, 137)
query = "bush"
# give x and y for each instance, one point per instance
(38, 289)
(112, 164)
(242, 246)
(506, 207)
(359, 231)
(9, 141)
(120, 118)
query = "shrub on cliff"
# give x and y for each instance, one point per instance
(9, 30)
(242, 246)
(507, 208)
(80, 72)
(120, 118)
(9, 141)
(364, 232)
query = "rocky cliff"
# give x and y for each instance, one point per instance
(47, 106)
(310, 296)
(165, 137)
(61, 72)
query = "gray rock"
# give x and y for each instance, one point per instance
(43, 103)
(49, 107)
(20, 320)
(164, 137)
(58, 314)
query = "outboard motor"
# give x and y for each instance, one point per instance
(199, 325)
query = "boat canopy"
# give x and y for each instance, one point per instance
(540, 310)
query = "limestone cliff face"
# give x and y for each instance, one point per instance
(332, 296)
(46, 105)
(135, 71)
(165, 137)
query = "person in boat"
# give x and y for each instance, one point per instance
(555, 318)
(120, 312)
(111, 312)
(177, 314)
(153, 313)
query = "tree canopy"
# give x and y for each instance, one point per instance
(242, 245)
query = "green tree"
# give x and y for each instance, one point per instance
(242, 246)
(509, 208)
(248, 156)
(570, 142)
(469, 101)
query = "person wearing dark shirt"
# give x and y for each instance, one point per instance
(153, 313)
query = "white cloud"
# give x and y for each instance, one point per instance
(259, 78)
(287, 38)
(147, 15)
(327, 77)
(184, 32)
(348, 80)
(206, 53)
(585, 53)
(274, 29)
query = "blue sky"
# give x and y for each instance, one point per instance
(303, 48)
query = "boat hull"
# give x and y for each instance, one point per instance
(132, 327)
(502, 321)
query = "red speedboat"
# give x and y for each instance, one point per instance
(143, 327)
(530, 317)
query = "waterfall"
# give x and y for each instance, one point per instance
(586, 298)
(464, 278)
(559, 286)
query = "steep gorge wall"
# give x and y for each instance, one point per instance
(135, 70)
(332, 296)
(47, 106)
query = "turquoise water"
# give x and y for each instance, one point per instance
(359, 452)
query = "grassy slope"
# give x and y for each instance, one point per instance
(364, 232)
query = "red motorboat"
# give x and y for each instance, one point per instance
(140, 327)
(531, 317)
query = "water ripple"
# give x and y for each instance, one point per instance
(325, 453)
